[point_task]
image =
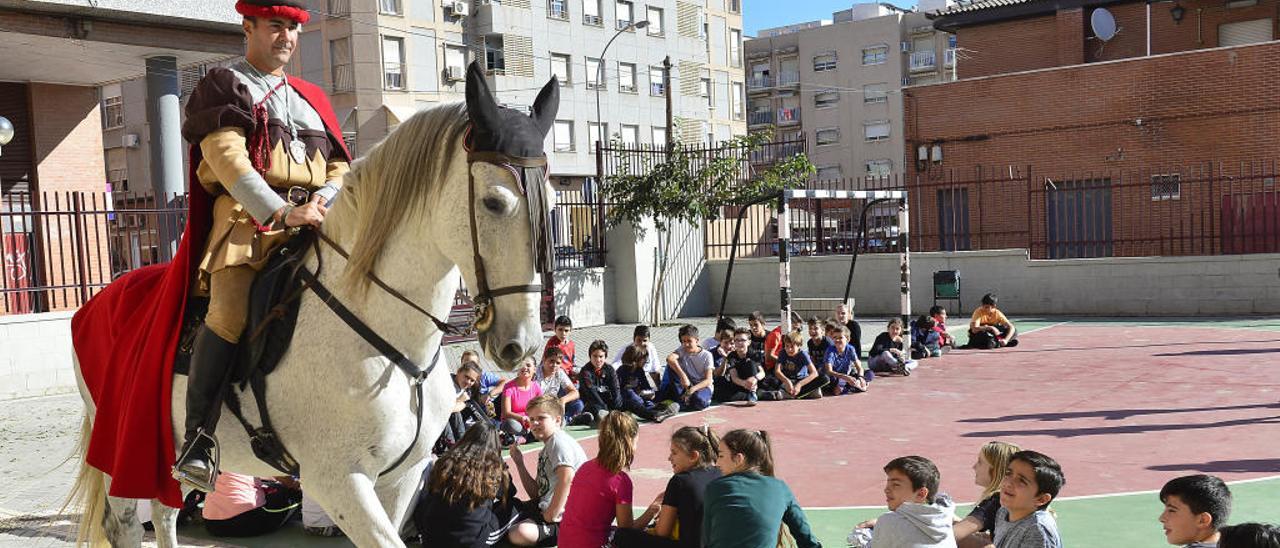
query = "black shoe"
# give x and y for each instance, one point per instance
(212, 359)
(585, 418)
(665, 412)
(1012, 343)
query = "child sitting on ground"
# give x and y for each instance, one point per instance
(974, 531)
(469, 500)
(819, 339)
(554, 381)
(688, 377)
(557, 463)
(796, 372)
(919, 516)
(939, 315)
(747, 506)
(601, 490)
(744, 369)
(516, 398)
(598, 383)
(1024, 520)
(245, 506)
(844, 373)
(560, 340)
(925, 341)
(886, 355)
(640, 340)
(722, 389)
(1195, 507)
(636, 388)
(693, 459)
(989, 328)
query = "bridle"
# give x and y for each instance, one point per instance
(530, 173)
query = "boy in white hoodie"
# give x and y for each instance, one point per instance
(918, 516)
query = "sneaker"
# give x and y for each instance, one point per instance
(1012, 343)
(771, 395)
(665, 412)
(583, 419)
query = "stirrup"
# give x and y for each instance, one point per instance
(200, 481)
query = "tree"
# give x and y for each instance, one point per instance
(692, 185)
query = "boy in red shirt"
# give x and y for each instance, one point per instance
(939, 316)
(563, 327)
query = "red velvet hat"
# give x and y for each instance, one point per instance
(289, 9)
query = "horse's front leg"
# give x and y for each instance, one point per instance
(399, 491)
(352, 502)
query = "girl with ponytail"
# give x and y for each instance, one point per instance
(747, 507)
(679, 507)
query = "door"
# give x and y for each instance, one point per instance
(1078, 218)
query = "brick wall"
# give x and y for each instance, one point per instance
(1211, 116)
(1065, 38)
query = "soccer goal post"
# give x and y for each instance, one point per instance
(904, 256)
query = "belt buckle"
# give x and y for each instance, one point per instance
(298, 195)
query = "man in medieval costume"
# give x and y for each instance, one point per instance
(263, 151)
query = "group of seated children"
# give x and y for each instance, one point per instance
(722, 493)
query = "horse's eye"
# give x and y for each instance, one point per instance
(496, 205)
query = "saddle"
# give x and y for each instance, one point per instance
(273, 315)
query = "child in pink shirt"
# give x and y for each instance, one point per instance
(245, 506)
(516, 397)
(601, 489)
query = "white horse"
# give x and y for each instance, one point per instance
(407, 212)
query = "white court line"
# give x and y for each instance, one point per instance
(1044, 328)
(1078, 497)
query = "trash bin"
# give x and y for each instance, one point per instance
(946, 286)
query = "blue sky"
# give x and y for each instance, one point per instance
(763, 14)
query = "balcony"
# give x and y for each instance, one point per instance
(756, 83)
(923, 61)
(557, 10)
(788, 116)
(789, 78)
(760, 118)
(593, 20)
(949, 58)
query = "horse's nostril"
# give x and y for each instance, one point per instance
(511, 352)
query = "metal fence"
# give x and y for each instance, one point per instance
(61, 248)
(1203, 209)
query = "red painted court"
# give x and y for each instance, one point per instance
(1121, 408)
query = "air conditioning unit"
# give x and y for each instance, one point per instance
(455, 74)
(130, 140)
(456, 7)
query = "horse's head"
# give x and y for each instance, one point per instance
(509, 201)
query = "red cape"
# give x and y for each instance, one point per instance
(125, 339)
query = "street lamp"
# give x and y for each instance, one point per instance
(6, 131)
(600, 71)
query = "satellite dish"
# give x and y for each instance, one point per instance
(1103, 23)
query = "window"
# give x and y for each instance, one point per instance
(875, 55)
(826, 99)
(1166, 187)
(118, 179)
(393, 63)
(597, 131)
(625, 12)
(112, 112)
(455, 60)
(558, 9)
(389, 7)
(875, 93)
(494, 61)
(953, 219)
(951, 41)
(735, 6)
(876, 131)
(563, 136)
(560, 68)
(1245, 32)
(659, 135)
(593, 74)
(829, 173)
(827, 136)
(343, 77)
(735, 100)
(735, 47)
(655, 21)
(591, 12)
(879, 168)
(630, 134)
(824, 62)
(704, 90)
(339, 8)
(627, 77)
(655, 81)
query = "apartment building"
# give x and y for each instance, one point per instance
(382, 60)
(839, 83)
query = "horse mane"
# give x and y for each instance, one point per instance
(397, 180)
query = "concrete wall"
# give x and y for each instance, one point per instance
(1128, 286)
(35, 355)
(585, 295)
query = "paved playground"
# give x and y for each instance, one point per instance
(1122, 405)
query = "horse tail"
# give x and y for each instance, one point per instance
(88, 495)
